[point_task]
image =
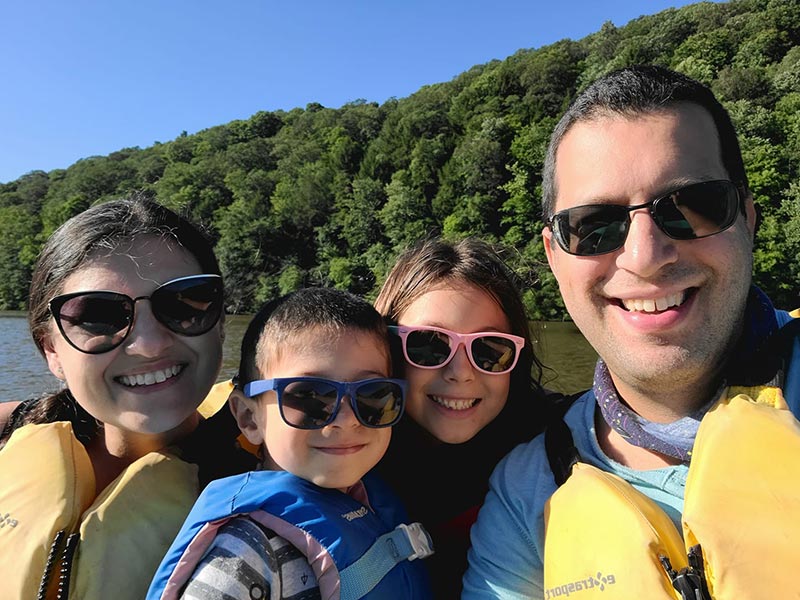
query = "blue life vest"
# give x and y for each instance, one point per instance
(364, 553)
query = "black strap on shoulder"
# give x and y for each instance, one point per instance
(768, 360)
(558, 443)
(17, 416)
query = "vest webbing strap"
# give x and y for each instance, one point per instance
(406, 542)
(559, 445)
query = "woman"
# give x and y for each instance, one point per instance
(473, 391)
(126, 305)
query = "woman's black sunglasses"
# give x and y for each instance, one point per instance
(314, 402)
(98, 321)
(688, 213)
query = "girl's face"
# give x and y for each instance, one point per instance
(455, 401)
(147, 389)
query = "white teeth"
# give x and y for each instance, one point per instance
(150, 378)
(654, 305)
(454, 404)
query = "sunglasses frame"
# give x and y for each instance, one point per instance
(555, 222)
(461, 339)
(343, 388)
(57, 303)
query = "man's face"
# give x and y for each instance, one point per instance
(615, 298)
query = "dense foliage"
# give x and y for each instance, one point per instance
(328, 196)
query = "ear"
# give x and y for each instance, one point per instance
(750, 214)
(243, 410)
(547, 239)
(53, 361)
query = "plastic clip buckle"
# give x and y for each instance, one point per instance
(419, 539)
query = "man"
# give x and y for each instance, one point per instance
(649, 232)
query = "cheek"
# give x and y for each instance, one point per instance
(500, 386)
(209, 345)
(577, 277)
(282, 442)
(383, 439)
(418, 382)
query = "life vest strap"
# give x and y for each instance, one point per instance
(558, 442)
(406, 542)
(690, 581)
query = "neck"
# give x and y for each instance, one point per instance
(616, 448)
(666, 403)
(114, 449)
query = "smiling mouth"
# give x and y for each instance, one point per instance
(453, 404)
(150, 378)
(655, 305)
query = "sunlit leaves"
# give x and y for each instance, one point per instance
(328, 196)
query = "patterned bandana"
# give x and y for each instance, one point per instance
(676, 439)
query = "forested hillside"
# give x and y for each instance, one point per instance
(322, 196)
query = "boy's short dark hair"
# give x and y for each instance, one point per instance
(331, 310)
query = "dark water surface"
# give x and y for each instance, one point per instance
(24, 373)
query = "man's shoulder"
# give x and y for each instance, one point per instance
(526, 468)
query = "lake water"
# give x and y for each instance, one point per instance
(24, 373)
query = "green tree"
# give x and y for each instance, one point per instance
(18, 250)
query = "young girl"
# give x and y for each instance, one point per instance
(471, 398)
(126, 305)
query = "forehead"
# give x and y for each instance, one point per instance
(623, 158)
(321, 345)
(455, 305)
(134, 268)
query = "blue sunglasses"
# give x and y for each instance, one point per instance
(314, 402)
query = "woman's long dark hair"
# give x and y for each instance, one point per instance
(98, 230)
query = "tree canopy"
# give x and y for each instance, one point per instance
(323, 196)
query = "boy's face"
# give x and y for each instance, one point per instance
(340, 453)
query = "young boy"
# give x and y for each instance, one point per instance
(314, 393)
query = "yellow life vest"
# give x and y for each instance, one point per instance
(741, 517)
(57, 537)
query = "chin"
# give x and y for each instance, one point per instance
(449, 436)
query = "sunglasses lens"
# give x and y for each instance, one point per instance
(698, 210)
(189, 306)
(494, 354)
(427, 348)
(695, 211)
(95, 322)
(308, 404)
(592, 229)
(380, 403)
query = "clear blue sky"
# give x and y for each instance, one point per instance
(88, 77)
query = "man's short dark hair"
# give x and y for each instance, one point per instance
(634, 91)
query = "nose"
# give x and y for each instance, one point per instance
(647, 249)
(459, 368)
(345, 417)
(148, 338)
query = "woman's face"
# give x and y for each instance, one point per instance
(149, 386)
(455, 401)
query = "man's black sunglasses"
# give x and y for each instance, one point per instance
(98, 321)
(688, 213)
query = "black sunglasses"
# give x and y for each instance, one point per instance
(313, 402)
(98, 321)
(695, 211)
